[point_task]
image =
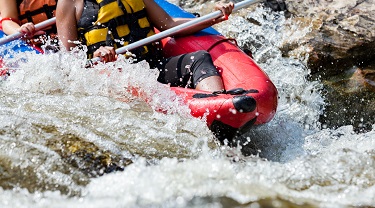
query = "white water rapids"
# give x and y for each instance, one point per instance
(51, 105)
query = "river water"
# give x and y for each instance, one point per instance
(75, 137)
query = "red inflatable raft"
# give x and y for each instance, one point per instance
(250, 98)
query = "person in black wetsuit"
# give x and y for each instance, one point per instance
(104, 25)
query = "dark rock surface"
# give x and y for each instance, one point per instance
(341, 52)
(342, 35)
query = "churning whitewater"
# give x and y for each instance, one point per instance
(52, 106)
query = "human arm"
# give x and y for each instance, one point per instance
(10, 22)
(163, 21)
(66, 23)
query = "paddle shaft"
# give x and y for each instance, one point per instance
(176, 29)
(38, 26)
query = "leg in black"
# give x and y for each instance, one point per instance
(187, 70)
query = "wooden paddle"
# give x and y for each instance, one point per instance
(18, 35)
(175, 30)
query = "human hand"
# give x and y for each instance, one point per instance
(28, 29)
(106, 53)
(226, 9)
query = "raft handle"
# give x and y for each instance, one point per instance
(234, 41)
(235, 91)
(240, 91)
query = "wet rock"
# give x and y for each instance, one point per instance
(351, 99)
(342, 33)
(34, 180)
(340, 51)
(362, 80)
(276, 5)
(86, 156)
(27, 165)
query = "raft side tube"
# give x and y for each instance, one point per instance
(237, 69)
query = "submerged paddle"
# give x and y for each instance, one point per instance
(175, 30)
(38, 26)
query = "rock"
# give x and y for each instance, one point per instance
(351, 99)
(86, 156)
(340, 51)
(276, 5)
(342, 33)
(362, 80)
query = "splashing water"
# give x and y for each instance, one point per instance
(65, 130)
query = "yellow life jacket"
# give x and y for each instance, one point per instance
(119, 22)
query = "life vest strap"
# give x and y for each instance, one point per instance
(47, 9)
